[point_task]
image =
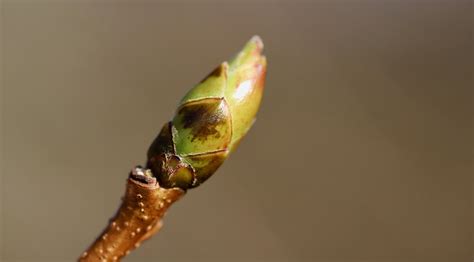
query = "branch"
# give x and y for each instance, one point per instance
(138, 218)
(210, 121)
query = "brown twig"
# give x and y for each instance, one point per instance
(210, 121)
(137, 219)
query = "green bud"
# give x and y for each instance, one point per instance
(210, 121)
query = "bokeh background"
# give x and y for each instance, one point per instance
(362, 150)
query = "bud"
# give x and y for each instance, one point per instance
(210, 121)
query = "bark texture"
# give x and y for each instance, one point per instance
(138, 218)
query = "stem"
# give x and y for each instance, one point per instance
(210, 121)
(138, 218)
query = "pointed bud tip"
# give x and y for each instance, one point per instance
(257, 40)
(250, 54)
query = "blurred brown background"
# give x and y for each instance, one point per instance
(362, 150)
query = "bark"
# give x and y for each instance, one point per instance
(138, 218)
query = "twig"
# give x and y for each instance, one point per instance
(138, 218)
(210, 121)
